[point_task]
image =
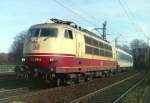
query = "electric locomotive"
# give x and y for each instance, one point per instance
(61, 51)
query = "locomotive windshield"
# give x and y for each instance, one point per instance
(34, 32)
(43, 32)
(50, 32)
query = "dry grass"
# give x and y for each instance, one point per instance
(137, 95)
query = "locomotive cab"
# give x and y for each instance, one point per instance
(38, 37)
(50, 39)
(47, 47)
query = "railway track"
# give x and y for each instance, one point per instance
(112, 93)
(6, 95)
(57, 95)
(65, 94)
(125, 93)
(11, 87)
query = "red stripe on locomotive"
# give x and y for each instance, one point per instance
(65, 63)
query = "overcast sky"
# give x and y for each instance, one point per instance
(128, 18)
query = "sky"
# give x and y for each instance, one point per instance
(126, 20)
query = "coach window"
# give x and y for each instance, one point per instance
(100, 45)
(95, 43)
(88, 49)
(101, 53)
(106, 46)
(110, 48)
(68, 34)
(96, 51)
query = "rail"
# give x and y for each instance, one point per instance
(89, 97)
(129, 90)
(7, 95)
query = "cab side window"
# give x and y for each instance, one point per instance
(68, 34)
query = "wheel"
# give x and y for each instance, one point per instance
(87, 78)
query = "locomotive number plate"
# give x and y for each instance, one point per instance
(35, 46)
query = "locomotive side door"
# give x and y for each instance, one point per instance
(79, 44)
(69, 41)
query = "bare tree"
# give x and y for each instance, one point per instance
(137, 43)
(16, 50)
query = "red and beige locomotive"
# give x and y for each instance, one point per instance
(61, 51)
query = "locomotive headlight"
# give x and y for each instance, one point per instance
(23, 59)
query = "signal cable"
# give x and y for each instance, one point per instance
(131, 16)
(127, 14)
(73, 12)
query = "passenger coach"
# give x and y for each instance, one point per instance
(124, 59)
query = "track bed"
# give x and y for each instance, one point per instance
(67, 94)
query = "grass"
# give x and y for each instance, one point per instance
(137, 95)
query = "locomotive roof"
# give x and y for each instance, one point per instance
(122, 51)
(77, 28)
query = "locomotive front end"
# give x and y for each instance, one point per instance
(39, 51)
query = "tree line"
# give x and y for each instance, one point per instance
(16, 50)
